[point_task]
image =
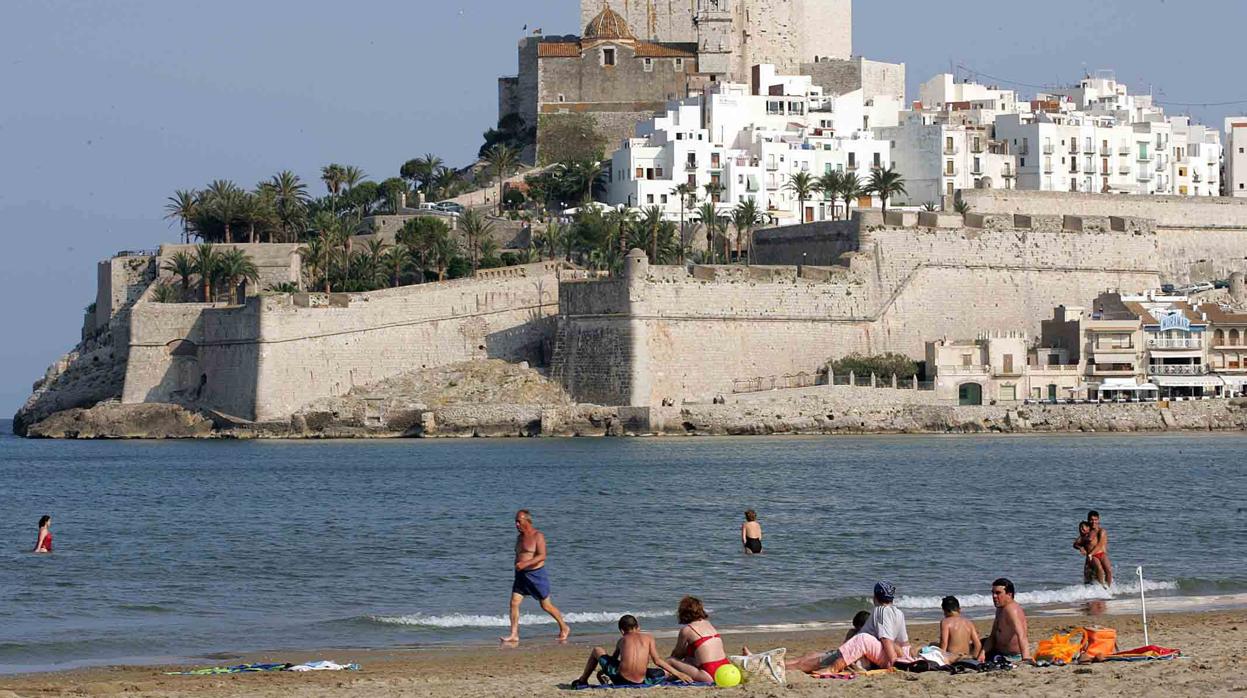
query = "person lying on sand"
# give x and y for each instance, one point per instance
(881, 641)
(857, 653)
(1008, 636)
(859, 620)
(629, 665)
(698, 648)
(959, 639)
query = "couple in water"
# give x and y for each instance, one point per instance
(1092, 542)
(697, 655)
(880, 640)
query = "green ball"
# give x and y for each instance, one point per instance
(727, 676)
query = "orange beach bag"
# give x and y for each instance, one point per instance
(1098, 643)
(1060, 648)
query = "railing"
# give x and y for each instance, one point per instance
(1124, 150)
(1069, 368)
(950, 171)
(976, 148)
(1047, 169)
(964, 370)
(1177, 369)
(1111, 370)
(772, 166)
(137, 253)
(1124, 169)
(1048, 149)
(1088, 148)
(1167, 343)
(951, 151)
(976, 169)
(690, 166)
(1197, 178)
(1105, 151)
(1104, 172)
(1073, 148)
(1143, 157)
(1007, 172)
(1145, 176)
(1014, 372)
(790, 380)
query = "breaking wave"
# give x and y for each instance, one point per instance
(468, 620)
(1069, 594)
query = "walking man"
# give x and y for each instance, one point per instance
(530, 576)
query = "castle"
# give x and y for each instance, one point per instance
(634, 56)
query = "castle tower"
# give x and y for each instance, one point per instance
(714, 37)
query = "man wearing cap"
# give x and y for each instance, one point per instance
(887, 623)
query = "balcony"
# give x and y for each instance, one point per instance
(1197, 178)
(774, 166)
(1105, 151)
(1047, 169)
(1088, 148)
(1145, 176)
(977, 148)
(1073, 148)
(1105, 172)
(1110, 370)
(951, 151)
(1177, 369)
(1014, 372)
(690, 166)
(1124, 151)
(975, 370)
(1143, 157)
(1007, 172)
(976, 169)
(1185, 344)
(1048, 149)
(950, 171)
(1124, 168)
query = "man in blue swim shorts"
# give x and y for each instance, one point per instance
(530, 576)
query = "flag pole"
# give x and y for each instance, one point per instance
(1143, 601)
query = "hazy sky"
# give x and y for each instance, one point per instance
(106, 107)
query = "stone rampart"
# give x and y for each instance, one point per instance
(1183, 212)
(277, 263)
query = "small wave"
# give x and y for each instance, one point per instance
(469, 620)
(1073, 593)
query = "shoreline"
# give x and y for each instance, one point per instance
(1209, 639)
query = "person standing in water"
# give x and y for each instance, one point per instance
(751, 533)
(43, 543)
(530, 576)
(1099, 550)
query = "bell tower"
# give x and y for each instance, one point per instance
(714, 37)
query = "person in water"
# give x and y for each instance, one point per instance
(629, 665)
(43, 543)
(698, 649)
(1092, 569)
(1008, 636)
(530, 576)
(1099, 549)
(751, 533)
(959, 639)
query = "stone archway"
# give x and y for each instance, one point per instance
(969, 394)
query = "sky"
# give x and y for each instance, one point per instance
(107, 107)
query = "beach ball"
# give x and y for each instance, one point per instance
(727, 676)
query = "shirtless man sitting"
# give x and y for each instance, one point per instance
(530, 576)
(629, 665)
(1099, 549)
(959, 639)
(1008, 636)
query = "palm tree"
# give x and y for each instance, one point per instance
(886, 184)
(802, 185)
(829, 186)
(316, 254)
(688, 198)
(745, 217)
(164, 293)
(225, 202)
(181, 265)
(183, 205)
(207, 265)
(503, 160)
(475, 228)
(710, 219)
(290, 201)
(421, 171)
(352, 175)
(395, 258)
(444, 181)
(234, 267)
(332, 175)
(850, 189)
(443, 251)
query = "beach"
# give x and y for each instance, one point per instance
(1213, 664)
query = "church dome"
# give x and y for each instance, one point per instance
(609, 24)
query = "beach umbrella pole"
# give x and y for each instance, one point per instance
(1143, 601)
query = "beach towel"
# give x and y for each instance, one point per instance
(845, 675)
(236, 669)
(1059, 648)
(323, 665)
(668, 684)
(1147, 653)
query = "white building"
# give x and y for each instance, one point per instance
(747, 142)
(1236, 156)
(938, 156)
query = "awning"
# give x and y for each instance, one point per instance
(1126, 384)
(1188, 381)
(1234, 380)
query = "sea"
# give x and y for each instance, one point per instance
(181, 551)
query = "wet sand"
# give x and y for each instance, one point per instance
(1213, 644)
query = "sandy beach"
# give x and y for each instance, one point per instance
(1212, 643)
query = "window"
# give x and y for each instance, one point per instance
(562, 98)
(679, 65)
(640, 173)
(658, 172)
(878, 161)
(949, 168)
(852, 160)
(608, 56)
(664, 198)
(967, 359)
(648, 64)
(649, 198)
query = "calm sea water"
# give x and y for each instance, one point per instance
(180, 549)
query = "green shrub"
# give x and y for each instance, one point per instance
(882, 365)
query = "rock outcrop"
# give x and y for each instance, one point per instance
(117, 421)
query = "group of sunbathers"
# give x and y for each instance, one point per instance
(878, 640)
(1092, 542)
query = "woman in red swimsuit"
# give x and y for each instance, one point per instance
(698, 648)
(43, 544)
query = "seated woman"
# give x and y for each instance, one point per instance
(698, 648)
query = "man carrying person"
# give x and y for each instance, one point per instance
(1008, 636)
(959, 639)
(629, 665)
(530, 576)
(1099, 550)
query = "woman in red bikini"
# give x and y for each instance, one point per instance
(698, 648)
(43, 544)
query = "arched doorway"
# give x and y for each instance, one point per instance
(969, 394)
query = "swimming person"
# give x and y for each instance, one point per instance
(530, 576)
(1008, 636)
(959, 638)
(751, 533)
(629, 665)
(698, 648)
(43, 543)
(1099, 549)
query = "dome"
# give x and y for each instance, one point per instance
(609, 24)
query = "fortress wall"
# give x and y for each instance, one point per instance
(119, 282)
(822, 243)
(311, 352)
(1201, 255)
(276, 262)
(1183, 212)
(594, 353)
